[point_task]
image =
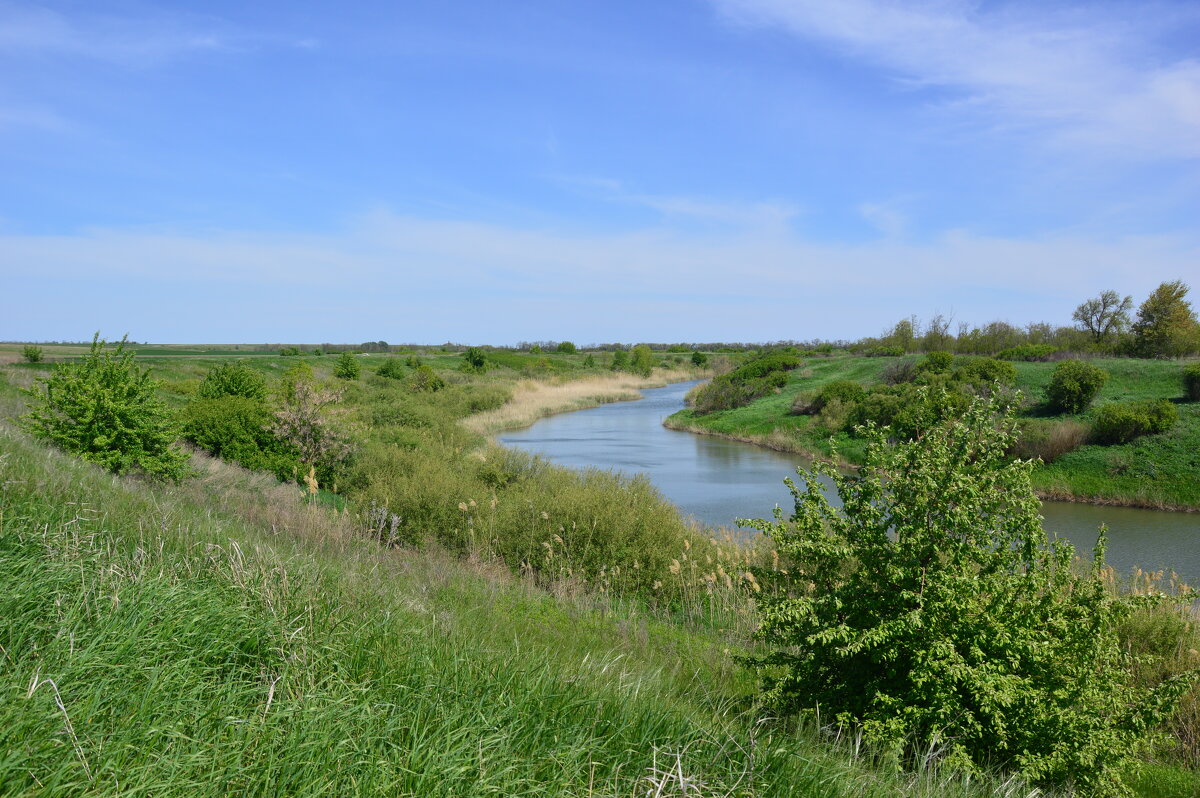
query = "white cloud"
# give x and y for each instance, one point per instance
(1089, 77)
(487, 283)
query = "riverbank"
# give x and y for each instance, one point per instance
(535, 399)
(1159, 472)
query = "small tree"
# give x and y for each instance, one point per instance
(346, 367)
(301, 423)
(474, 359)
(642, 362)
(589, 361)
(391, 368)
(233, 379)
(699, 359)
(620, 360)
(425, 379)
(1166, 325)
(1191, 383)
(565, 348)
(32, 354)
(931, 612)
(1105, 316)
(1073, 385)
(104, 409)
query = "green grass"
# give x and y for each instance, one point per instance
(1155, 471)
(223, 638)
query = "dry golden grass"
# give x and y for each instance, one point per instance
(534, 399)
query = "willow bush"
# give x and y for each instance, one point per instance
(930, 611)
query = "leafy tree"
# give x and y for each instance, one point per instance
(104, 409)
(1166, 325)
(391, 369)
(589, 361)
(239, 429)
(620, 360)
(346, 367)
(32, 354)
(643, 360)
(565, 348)
(232, 378)
(699, 359)
(425, 379)
(474, 359)
(1073, 385)
(301, 423)
(535, 350)
(1191, 383)
(1105, 316)
(929, 610)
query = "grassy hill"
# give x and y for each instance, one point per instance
(1161, 471)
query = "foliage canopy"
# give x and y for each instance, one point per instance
(104, 409)
(931, 612)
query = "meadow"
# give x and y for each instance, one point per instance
(447, 618)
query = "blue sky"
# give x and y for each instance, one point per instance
(490, 172)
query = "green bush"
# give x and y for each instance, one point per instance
(744, 384)
(848, 392)
(232, 378)
(884, 351)
(1028, 352)
(936, 363)
(565, 348)
(391, 369)
(1047, 440)
(474, 359)
(425, 379)
(1121, 422)
(589, 361)
(699, 359)
(1073, 386)
(1191, 382)
(620, 360)
(32, 354)
(238, 429)
(983, 372)
(346, 367)
(930, 611)
(105, 409)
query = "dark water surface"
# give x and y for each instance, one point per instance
(717, 480)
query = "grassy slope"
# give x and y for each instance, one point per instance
(222, 638)
(1157, 471)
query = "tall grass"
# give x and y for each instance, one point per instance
(214, 639)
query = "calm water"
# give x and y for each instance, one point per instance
(717, 481)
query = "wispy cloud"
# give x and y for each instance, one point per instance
(141, 40)
(419, 279)
(1092, 76)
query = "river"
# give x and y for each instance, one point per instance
(716, 480)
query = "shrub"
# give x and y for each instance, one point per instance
(589, 361)
(1048, 440)
(1028, 352)
(104, 409)
(1121, 422)
(929, 610)
(425, 379)
(642, 362)
(346, 367)
(1191, 382)
(565, 348)
(474, 359)
(620, 360)
(1073, 385)
(699, 359)
(32, 354)
(900, 372)
(232, 379)
(936, 363)
(884, 351)
(744, 384)
(982, 372)
(391, 369)
(302, 424)
(238, 429)
(289, 351)
(848, 392)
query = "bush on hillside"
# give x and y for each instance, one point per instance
(105, 409)
(983, 372)
(238, 429)
(929, 611)
(346, 367)
(391, 369)
(1073, 386)
(425, 380)
(232, 378)
(741, 386)
(474, 359)
(1121, 422)
(32, 354)
(1191, 383)
(884, 351)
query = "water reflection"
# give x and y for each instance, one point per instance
(717, 480)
